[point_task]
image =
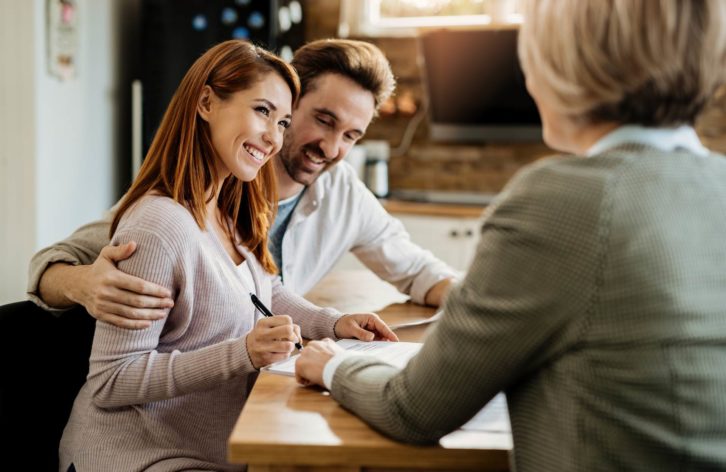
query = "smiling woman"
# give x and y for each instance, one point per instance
(247, 128)
(230, 80)
(199, 210)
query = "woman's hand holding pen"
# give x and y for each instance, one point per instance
(271, 340)
(364, 326)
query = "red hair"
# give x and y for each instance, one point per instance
(180, 163)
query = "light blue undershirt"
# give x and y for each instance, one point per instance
(279, 226)
(665, 139)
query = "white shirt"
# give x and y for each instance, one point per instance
(337, 214)
(665, 139)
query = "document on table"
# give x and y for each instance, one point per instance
(435, 317)
(395, 353)
(493, 418)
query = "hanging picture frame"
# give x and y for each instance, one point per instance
(62, 34)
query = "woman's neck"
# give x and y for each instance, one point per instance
(220, 224)
(577, 137)
(588, 135)
(212, 206)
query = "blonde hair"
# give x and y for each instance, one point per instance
(361, 62)
(648, 62)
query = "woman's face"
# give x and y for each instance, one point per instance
(247, 128)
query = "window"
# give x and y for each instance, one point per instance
(405, 17)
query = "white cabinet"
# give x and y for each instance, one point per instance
(451, 239)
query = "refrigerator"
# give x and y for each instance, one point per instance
(172, 34)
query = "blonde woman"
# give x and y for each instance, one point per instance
(597, 300)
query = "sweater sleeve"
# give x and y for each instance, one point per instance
(523, 303)
(315, 322)
(80, 248)
(129, 366)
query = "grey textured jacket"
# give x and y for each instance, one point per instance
(597, 302)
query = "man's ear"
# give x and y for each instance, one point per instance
(204, 104)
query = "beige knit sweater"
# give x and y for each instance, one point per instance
(166, 397)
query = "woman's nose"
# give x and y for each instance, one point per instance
(273, 135)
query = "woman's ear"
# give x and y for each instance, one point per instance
(204, 105)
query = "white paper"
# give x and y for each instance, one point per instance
(395, 353)
(493, 418)
(435, 317)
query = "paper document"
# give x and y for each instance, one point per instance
(494, 417)
(395, 353)
(435, 317)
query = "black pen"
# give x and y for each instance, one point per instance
(263, 309)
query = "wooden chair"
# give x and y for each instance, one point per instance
(43, 365)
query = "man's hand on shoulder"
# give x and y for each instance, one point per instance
(115, 297)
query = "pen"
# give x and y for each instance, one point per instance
(263, 309)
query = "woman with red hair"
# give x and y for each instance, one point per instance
(166, 397)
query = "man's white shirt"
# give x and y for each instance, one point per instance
(338, 214)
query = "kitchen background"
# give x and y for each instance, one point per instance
(66, 113)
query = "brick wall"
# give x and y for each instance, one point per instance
(437, 166)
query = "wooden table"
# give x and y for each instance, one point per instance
(285, 427)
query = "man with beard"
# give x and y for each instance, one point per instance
(324, 210)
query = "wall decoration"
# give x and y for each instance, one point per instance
(62, 31)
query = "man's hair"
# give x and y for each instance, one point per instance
(180, 163)
(648, 62)
(361, 62)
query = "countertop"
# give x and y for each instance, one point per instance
(452, 210)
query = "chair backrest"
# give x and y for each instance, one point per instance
(43, 364)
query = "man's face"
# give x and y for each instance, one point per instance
(327, 121)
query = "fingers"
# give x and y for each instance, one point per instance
(362, 334)
(364, 326)
(287, 332)
(118, 253)
(117, 294)
(122, 322)
(301, 371)
(300, 379)
(131, 312)
(298, 334)
(274, 321)
(109, 294)
(124, 316)
(384, 332)
(281, 327)
(380, 330)
(272, 340)
(311, 363)
(142, 287)
(263, 353)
